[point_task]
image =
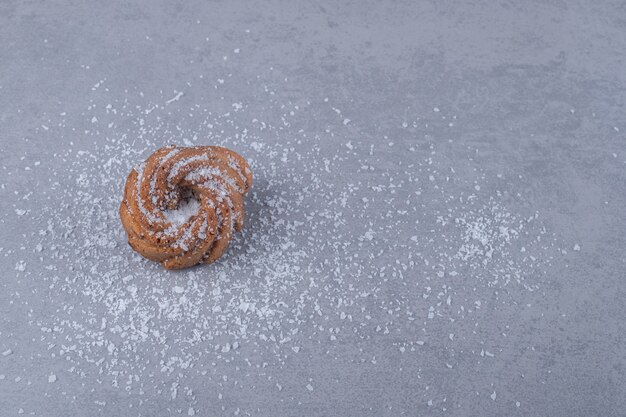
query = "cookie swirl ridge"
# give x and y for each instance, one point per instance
(182, 204)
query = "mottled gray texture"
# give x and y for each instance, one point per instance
(535, 91)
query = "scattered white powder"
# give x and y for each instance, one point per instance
(175, 98)
(184, 162)
(186, 209)
(339, 246)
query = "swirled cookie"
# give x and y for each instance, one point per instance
(181, 205)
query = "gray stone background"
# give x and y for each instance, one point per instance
(495, 111)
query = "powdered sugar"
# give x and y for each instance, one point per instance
(339, 246)
(153, 180)
(183, 162)
(212, 173)
(186, 209)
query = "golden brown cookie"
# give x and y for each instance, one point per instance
(181, 205)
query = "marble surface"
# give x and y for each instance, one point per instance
(436, 227)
